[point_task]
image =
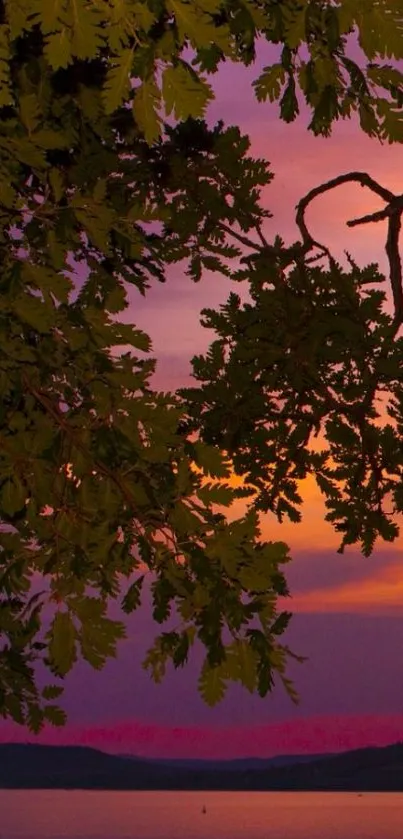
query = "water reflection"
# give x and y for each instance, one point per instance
(79, 814)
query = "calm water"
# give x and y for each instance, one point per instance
(63, 814)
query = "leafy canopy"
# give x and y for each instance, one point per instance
(102, 479)
(313, 354)
(148, 40)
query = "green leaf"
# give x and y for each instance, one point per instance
(221, 494)
(52, 691)
(368, 120)
(212, 687)
(132, 598)
(58, 50)
(185, 94)
(295, 29)
(146, 107)
(342, 434)
(32, 311)
(35, 718)
(100, 189)
(62, 644)
(125, 333)
(269, 83)
(98, 638)
(55, 715)
(144, 15)
(30, 111)
(193, 23)
(46, 280)
(281, 623)
(211, 460)
(181, 652)
(289, 103)
(86, 608)
(5, 56)
(252, 580)
(7, 193)
(57, 184)
(12, 706)
(183, 520)
(385, 75)
(47, 138)
(117, 83)
(12, 496)
(245, 661)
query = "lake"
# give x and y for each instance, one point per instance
(79, 814)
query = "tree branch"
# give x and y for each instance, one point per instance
(392, 212)
(243, 239)
(395, 265)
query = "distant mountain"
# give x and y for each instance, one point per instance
(28, 766)
(230, 765)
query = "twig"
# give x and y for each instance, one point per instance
(380, 215)
(395, 265)
(261, 237)
(392, 212)
(243, 239)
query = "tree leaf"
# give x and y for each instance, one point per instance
(62, 643)
(13, 496)
(58, 50)
(212, 687)
(55, 715)
(34, 312)
(221, 494)
(30, 111)
(117, 83)
(146, 107)
(211, 460)
(270, 83)
(246, 660)
(52, 691)
(185, 94)
(132, 598)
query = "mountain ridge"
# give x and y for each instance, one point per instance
(32, 766)
(229, 763)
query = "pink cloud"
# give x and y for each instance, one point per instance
(315, 734)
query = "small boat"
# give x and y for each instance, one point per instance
(204, 809)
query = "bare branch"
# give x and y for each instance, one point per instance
(380, 215)
(392, 212)
(261, 237)
(394, 206)
(395, 265)
(361, 177)
(243, 239)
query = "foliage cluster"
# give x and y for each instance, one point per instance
(102, 479)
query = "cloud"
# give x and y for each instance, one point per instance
(381, 592)
(316, 734)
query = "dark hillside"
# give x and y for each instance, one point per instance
(79, 767)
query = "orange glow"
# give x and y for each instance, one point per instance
(380, 593)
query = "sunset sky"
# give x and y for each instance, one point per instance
(348, 609)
